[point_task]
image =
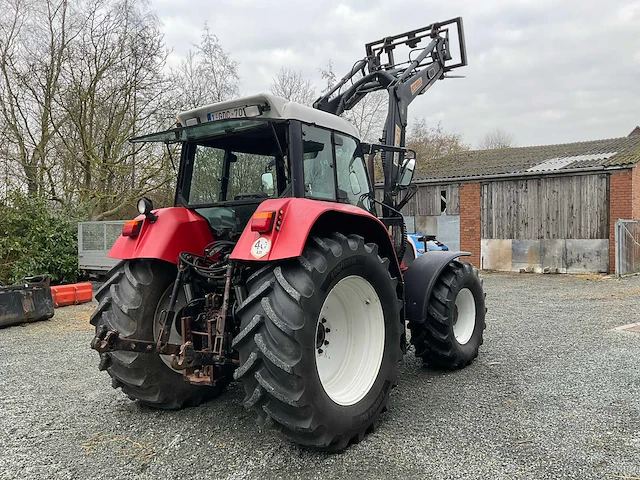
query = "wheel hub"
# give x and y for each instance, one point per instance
(464, 316)
(349, 364)
(321, 334)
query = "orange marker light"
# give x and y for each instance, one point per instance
(262, 221)
(131, 228)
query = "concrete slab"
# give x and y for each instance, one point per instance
(587, 256)
(495, 254)
(553, 255)
(632, 327)
(525, 254)
(410, 222)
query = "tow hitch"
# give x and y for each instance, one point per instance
(110, 341)
(182, 356)
(205, 352)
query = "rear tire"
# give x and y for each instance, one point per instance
(288, 372)
(451, 334)
(127, 303)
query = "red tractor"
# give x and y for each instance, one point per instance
(277, 266)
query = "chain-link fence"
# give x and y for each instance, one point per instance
(627, 238)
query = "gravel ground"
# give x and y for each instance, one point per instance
(555, 393)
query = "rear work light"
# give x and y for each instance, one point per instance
(262, 222)
(131, 228)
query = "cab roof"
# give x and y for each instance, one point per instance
(268, 106)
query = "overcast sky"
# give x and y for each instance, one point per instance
(546, 71)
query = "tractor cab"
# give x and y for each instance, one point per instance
(236, 154)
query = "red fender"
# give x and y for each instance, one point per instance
(176, 230)
(296, 216)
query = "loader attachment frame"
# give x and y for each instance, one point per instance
(403, 80)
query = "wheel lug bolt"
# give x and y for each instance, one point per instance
(326, 342)
(324, 320)
(327, 330)
(319, 350)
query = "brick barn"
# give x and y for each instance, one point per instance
(545, 208)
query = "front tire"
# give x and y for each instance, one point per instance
(128, 302)
(322, 378)
(451, 334)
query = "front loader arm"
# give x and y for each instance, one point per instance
(404, 81)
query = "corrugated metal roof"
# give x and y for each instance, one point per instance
(613, 152)
(574, 161)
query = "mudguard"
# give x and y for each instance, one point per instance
(177, 229)
(295, 217)
(420, 278)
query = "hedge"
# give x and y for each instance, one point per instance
(37, 238)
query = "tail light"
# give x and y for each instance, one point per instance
(131, 228)
(262, 222)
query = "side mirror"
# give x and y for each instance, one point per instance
(405, 174)
(267, 184)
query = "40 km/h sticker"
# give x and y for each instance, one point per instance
(260, 247)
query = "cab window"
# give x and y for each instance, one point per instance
(319, 179)
(245, 179)
(353, 182)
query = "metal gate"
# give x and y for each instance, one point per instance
(627, 237)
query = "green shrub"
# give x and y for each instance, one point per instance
(37, 238)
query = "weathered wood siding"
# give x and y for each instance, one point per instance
(563, 207)
(427, 200)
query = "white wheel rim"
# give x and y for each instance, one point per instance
(174, 335)
(349, 340)
(464, 321)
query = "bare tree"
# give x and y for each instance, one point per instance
(114, 87)
(35, 37)
(292, 85)
(429, 143)
(497, 139)
(207, 75)
(77, 79)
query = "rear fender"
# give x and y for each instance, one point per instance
(297, 218)
(176, 229)
(420, 278)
